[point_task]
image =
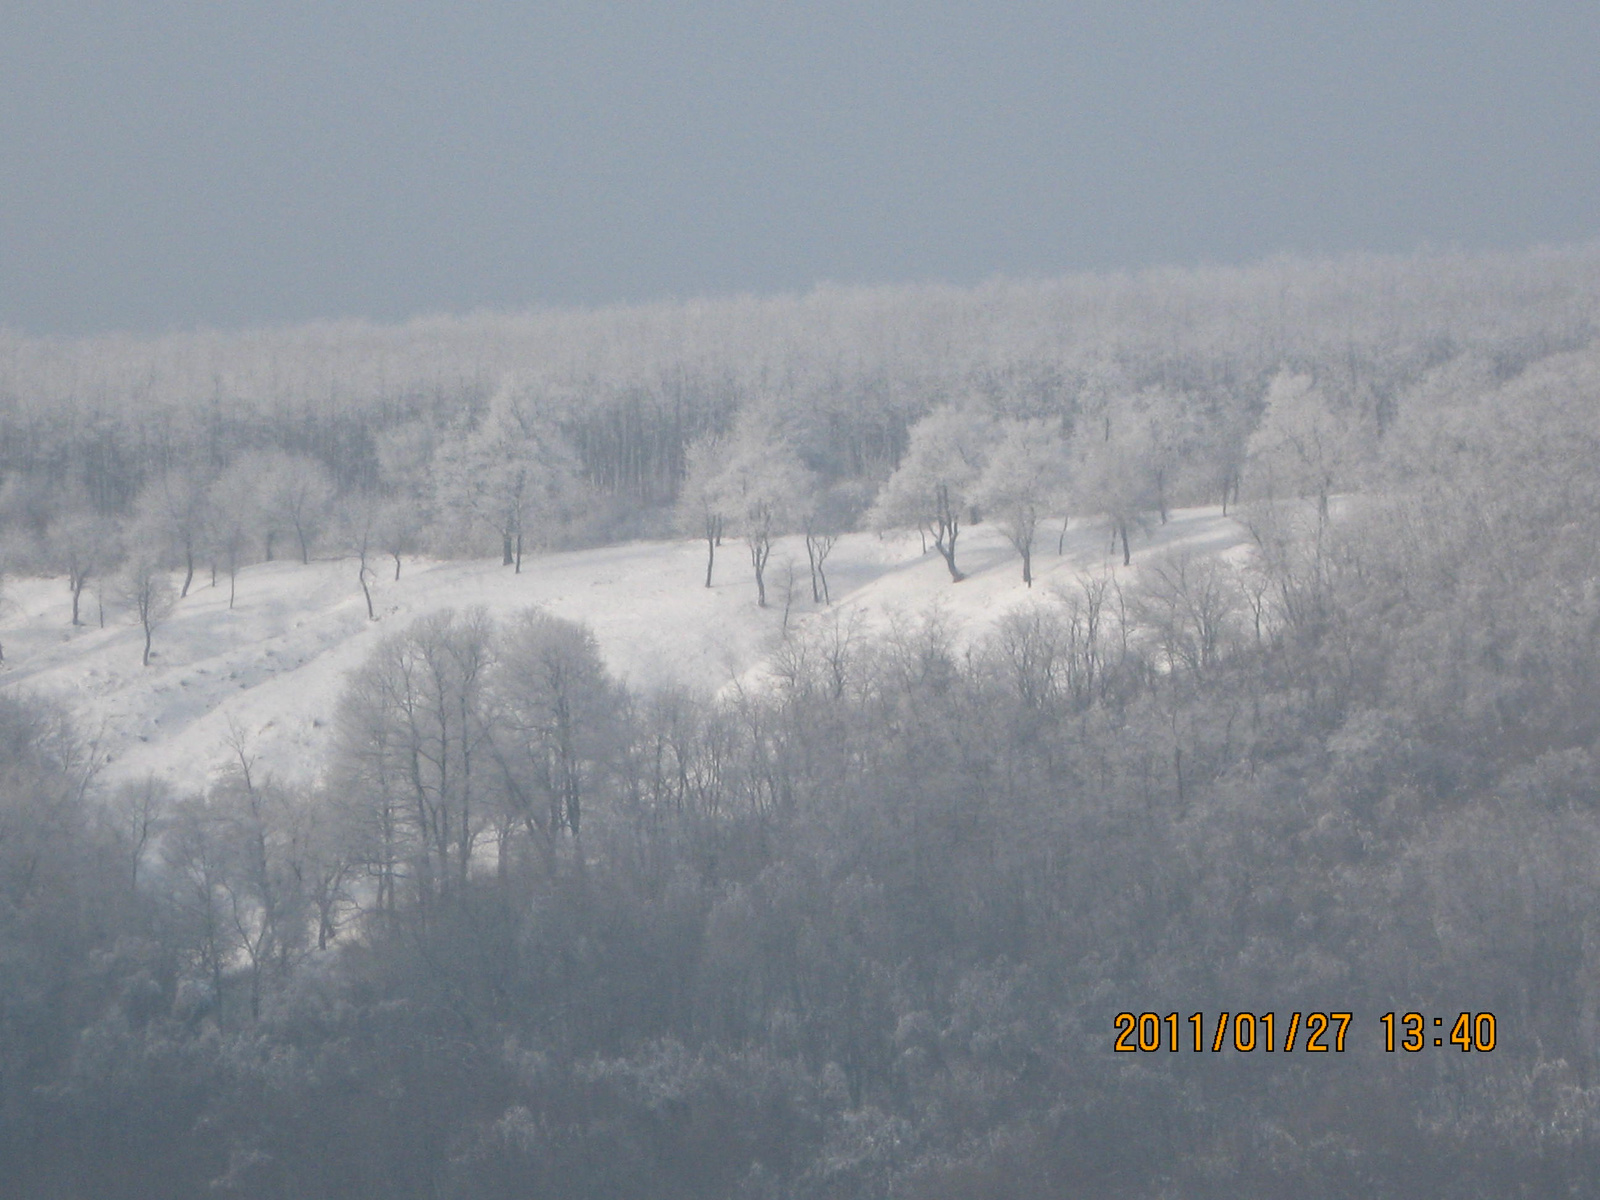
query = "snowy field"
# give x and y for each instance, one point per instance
(274, 666)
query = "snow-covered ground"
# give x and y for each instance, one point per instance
(275, 665)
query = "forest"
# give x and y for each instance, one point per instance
(862, 931)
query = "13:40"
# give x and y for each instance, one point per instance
(1469, 1031)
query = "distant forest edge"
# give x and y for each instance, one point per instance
(861, 932)
(291, 431)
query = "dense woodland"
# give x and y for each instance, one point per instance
(860, 932)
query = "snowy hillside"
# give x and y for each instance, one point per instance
(275, 665)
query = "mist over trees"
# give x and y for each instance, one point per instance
(859, 928)
(455, 411)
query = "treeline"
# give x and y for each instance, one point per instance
(862, 931)
(840, 376)
(128, 466)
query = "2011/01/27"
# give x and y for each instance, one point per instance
(1250, 1031)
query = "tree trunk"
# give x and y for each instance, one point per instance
(77, 590)
(505, 549)
(947, 550)
(1126, 556)
(711, 555)
(397, 566)
(760, 548)
(188, 575)
(147, 642)
(1027, 566)
(519, 553)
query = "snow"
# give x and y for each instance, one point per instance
(273, 667)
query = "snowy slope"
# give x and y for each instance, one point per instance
(275, 665)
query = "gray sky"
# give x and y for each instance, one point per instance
(171, 164)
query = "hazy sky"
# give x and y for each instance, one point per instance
(165, 164)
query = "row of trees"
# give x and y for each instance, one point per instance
(620, 398)
(512, 478)
(1126, 459)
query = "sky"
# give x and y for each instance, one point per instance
(224, 164)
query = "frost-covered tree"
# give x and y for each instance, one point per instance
(300, 495)
(763, 489)
(831, 512)
(1305, 447)
(146, 587)
(405, 455)
(234, 510)
(405, 471)
(397, 527)
(231, 512)
(514, 474)
(28, 504)
(1169, 433)
(173, 510)
(82, 546)
(934, 485)
(372, 526)
(279, 494)
(1112, 474)
(700, 502)
(1025, 476)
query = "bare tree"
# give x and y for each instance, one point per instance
(1190, 605)
(360, 534)
(138, 812)
(556, 719)
(412, 734)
